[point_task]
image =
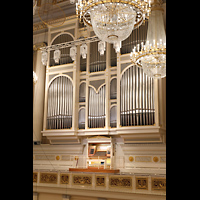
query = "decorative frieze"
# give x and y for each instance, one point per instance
(44, 157)
(82, 180)
(163, 159)
(120, 182)
(100, 181)
(142, 183)
(48, 177)
(64, 178)
(127, 183)
(158, 183)
(142, 158)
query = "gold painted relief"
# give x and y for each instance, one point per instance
(35, 177)
(100, 180)
(131, 158)
(158, 183)
(64, 178)
(142, 183)
(82, 180)
(121, 182)
(155, 159)
(48, 178)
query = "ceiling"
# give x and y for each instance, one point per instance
(68, 9)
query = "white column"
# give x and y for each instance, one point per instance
(38, 98)
(107, 81)
(118, 89)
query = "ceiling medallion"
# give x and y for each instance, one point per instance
(113, 20)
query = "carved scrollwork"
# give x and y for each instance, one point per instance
(34, 177)
(100, 181)
(64, 178)
(124, 182)
(48, 178)
(82, 180)
(142, 183)
(158, 184)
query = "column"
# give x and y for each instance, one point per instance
(38, 98)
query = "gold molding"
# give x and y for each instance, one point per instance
(38, 46)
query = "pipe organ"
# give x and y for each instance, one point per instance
(104, 93)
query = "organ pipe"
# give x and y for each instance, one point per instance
(96, 114)
(137, 99)
(60, 103)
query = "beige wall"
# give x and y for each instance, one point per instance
(46, 196)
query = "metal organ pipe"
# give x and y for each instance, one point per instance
(96, 118)
(60, 102)
(137, 98)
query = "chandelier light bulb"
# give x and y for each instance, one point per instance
(44, 57)
(101, 47)
(73, 52)
(57, 56)
(83, 50)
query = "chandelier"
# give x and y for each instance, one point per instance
(113, 20)
(152, 56)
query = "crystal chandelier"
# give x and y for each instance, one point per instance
(113, 20)
(152, 56)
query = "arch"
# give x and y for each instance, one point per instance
(97, 91)
(65, 52)
(82, 91)
(59, 34)
(113, 116)
(57, 77)
(125, 70)
(81, 118)
(113, 88)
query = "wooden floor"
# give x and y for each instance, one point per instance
(93, 169)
